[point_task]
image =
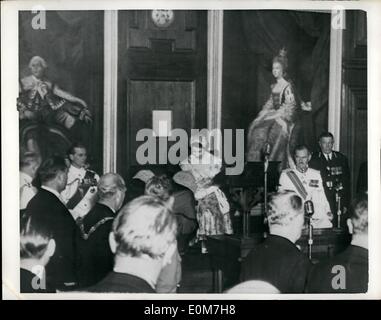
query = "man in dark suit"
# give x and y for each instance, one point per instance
(143, 239)
(47, 208)
(348, 271)
(334, 170)
(277, 260)
(95, 256)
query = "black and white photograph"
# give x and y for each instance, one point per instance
(190, 149)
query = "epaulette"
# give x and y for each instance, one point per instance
(337, 154)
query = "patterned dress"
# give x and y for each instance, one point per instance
(213, 208)
(276, 125)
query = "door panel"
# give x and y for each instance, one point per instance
(147, 96)
(159, 68)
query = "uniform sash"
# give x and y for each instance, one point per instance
(84, 186)
(297, 184)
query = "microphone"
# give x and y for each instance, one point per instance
(309, 208)
(267, 149)
(309, 211)
(266, 153)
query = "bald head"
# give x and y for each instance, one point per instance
(254, 286)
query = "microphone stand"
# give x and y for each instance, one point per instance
(310, 238)
(338, 201)
(309, 212)
(266, 165)
(246, 213)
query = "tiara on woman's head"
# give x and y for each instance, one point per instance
(282, 58)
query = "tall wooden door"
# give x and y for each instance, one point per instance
(161, 67)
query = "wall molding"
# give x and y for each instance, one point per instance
(110, 90)
(335, 81)
(214, 74)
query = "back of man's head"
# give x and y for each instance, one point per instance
(359, 216)
(283, 209)
(254, 286)
(34, 237)
(50, 168)
(145, 226)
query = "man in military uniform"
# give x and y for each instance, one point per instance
(307, 183)
(81, 189)
(334, 170)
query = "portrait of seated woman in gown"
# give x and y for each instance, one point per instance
(47, 113)
(277, 124)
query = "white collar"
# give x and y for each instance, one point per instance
(55, 192)
(301, 173)
(77, 170)
(328, 155)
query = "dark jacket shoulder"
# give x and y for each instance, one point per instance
(27, 279)
(278, 261)
(346, 272)
(100, 213)
(122, 283)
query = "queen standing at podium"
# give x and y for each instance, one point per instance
(276, 124)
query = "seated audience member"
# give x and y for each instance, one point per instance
(307, 183)
(170, 277)
(143, 239)
(277, 260)
(253, 286)
(29, 163)
(47, 207)
(80, 193)
(36, 248)
(95, 256)
(347, 272)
